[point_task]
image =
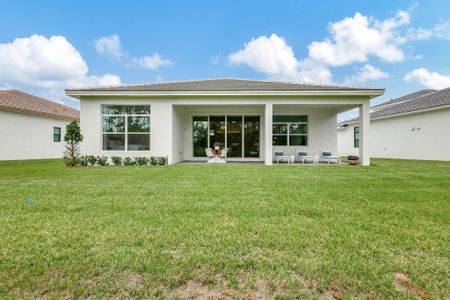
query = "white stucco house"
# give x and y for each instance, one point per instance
(251, 118)
(415, 126)
(32, 127)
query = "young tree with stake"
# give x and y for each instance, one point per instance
(72, 138)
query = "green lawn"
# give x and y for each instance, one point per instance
(240, 231)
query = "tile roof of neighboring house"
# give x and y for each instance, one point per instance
(226, 84)
(405, 98)
(19, 101)
(426, 101)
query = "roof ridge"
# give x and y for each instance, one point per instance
(229, 78)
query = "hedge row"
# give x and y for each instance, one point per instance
(91, 160)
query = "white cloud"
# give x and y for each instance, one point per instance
(351, 40)
(367, 73)
(431, 80)
(441, 30)
(43, 62)
(270, 55)
(152, 62)
(274, 57)
(356, 38)
(110, 46)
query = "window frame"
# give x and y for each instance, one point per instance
(288, 133)
(57, 134)
(126, 115)
(356, 140)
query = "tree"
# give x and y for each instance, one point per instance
(72, 138)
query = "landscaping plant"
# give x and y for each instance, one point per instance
(162, 160)
(84, 161)
(92, 160)
(128, 161)
(153, 160)
(141, 161)
(117, 160)
(102, 160)
(73, 137)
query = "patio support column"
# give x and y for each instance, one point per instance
(364, 127)
(268, 134)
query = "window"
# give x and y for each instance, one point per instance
(356, 137)
(290, 130)
(126, 127)
(57, 134)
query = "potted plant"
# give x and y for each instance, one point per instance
(352, 160)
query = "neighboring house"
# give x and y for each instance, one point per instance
(32, 127)
(252, 118)
(415, 126)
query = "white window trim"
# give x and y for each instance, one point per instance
(126, 133)
(288, 134)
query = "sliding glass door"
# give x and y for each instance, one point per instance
(234, 136)
(240, 134)
(251, 136)
(216, 131)
(199, 136)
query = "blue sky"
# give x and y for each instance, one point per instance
(46, 46)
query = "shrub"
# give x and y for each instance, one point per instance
(84, 161)
(117, 160)
(71, 161)
(162, 160)
(102, 160)
(153, 160)
(141, 161)
(92, 160)
(128, 161)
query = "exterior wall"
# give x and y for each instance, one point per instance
(171, 122)
(346, 141)
(160, 127)
(26, 136)
(422, 136)
(322, 134)
(179, 134)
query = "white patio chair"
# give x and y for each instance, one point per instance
(279, 156)
(209, 153)
(224, 153)
(327, 156)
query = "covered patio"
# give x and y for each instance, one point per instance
(250, 132)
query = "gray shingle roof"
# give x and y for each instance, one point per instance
(19, 101)
(226, 85)
(428, 100)
(405, 98)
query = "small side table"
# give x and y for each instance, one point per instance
(292, 158)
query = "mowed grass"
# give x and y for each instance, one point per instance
(240, 231)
